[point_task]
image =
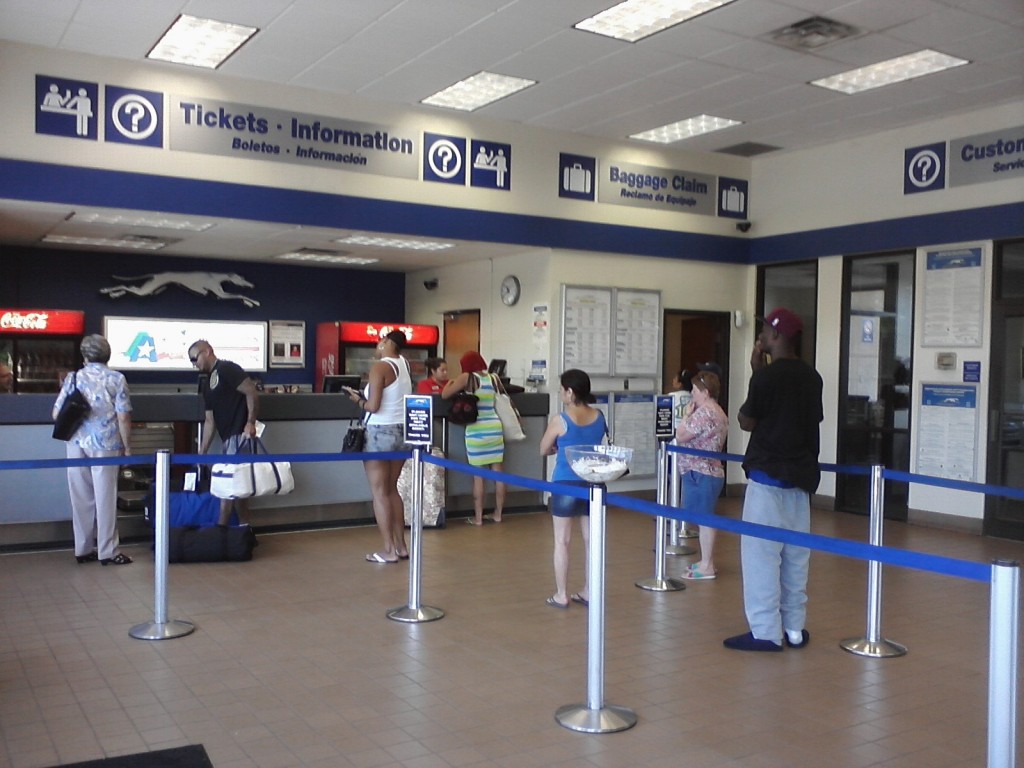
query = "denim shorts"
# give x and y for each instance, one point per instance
(569, 506)
(384, 438)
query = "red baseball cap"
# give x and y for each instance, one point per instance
(785, 322)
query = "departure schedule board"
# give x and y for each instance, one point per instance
(611, 331)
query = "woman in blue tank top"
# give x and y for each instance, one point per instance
(579, 423)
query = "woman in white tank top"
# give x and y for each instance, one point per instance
(384, 399)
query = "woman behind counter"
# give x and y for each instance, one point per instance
(578, 424)
(485, 442)
(437, 377)
(105, 432)
(384, 399)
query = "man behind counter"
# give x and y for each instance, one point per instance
(231, 405)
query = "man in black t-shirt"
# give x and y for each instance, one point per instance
(782, 412)
(231, 404)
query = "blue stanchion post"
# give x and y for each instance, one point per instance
(414, 612)
(160, 628)
(660, 582)
(873, 644)
(1004, 635)
(595, 716)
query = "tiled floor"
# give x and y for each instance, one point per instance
(294, 663)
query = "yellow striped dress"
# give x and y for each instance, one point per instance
(485, 443)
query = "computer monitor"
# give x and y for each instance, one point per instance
(335, 383)
(498, 366)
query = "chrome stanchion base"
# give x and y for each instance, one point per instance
(876, 649)
(152, 630)
(660, 585)
(607, 719)
(415, 615)
(679, 550)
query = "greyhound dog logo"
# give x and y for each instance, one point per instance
(202, 283)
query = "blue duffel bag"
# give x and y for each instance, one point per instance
(190, 509)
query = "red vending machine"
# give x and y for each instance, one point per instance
(40, 346)
(348, 348)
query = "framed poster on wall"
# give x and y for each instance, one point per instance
(948, 431)
(287, 344)
(954, 297)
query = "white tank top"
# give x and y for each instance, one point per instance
(392, 401)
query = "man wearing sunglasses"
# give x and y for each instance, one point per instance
(231, 405)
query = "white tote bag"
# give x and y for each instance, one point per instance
(263, 478)
(511, 425)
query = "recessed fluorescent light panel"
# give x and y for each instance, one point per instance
(477, 91)
(131, 242)
(395, 242)
(200, 42)
(634, 20)
(151, 222)
(686, 129)
(926, 62)
(312, 255)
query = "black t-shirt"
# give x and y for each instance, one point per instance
(221, 395)
(785, 398)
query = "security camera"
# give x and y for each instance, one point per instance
(743, 226)
(431, 284)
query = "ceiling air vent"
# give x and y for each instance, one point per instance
(811, 34)
(748, 149)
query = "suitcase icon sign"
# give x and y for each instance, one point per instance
(732, 200)
(576, 178)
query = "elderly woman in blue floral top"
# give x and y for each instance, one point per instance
(104, 433)
(705, 428)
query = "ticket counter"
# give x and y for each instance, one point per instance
(35, 509)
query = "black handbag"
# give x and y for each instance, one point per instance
(73, 412)
(355, 438)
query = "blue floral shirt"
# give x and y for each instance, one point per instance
(107, 393)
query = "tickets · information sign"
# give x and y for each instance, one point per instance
(663, 417)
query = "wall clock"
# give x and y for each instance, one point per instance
(510, 290)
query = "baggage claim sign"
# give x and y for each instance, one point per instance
(646, 186)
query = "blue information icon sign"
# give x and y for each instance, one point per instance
(134, 117)
(444, 159)
(924, 168)
(67, 108)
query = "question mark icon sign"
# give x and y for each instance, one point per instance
(136, 111)
(135, 108)
(445, 158)
(924, 168)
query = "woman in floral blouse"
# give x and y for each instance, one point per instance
(705, 428)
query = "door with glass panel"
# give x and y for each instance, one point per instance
(1005, 517)
(875, 378)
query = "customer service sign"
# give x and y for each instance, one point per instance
(977, 159)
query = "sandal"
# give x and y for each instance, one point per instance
(377, 557)
(92, 557)
(576, 597)
(555, 604)
(118, 559)
(694, 574)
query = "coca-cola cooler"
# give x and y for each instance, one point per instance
(40, 346)
(349, 347)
